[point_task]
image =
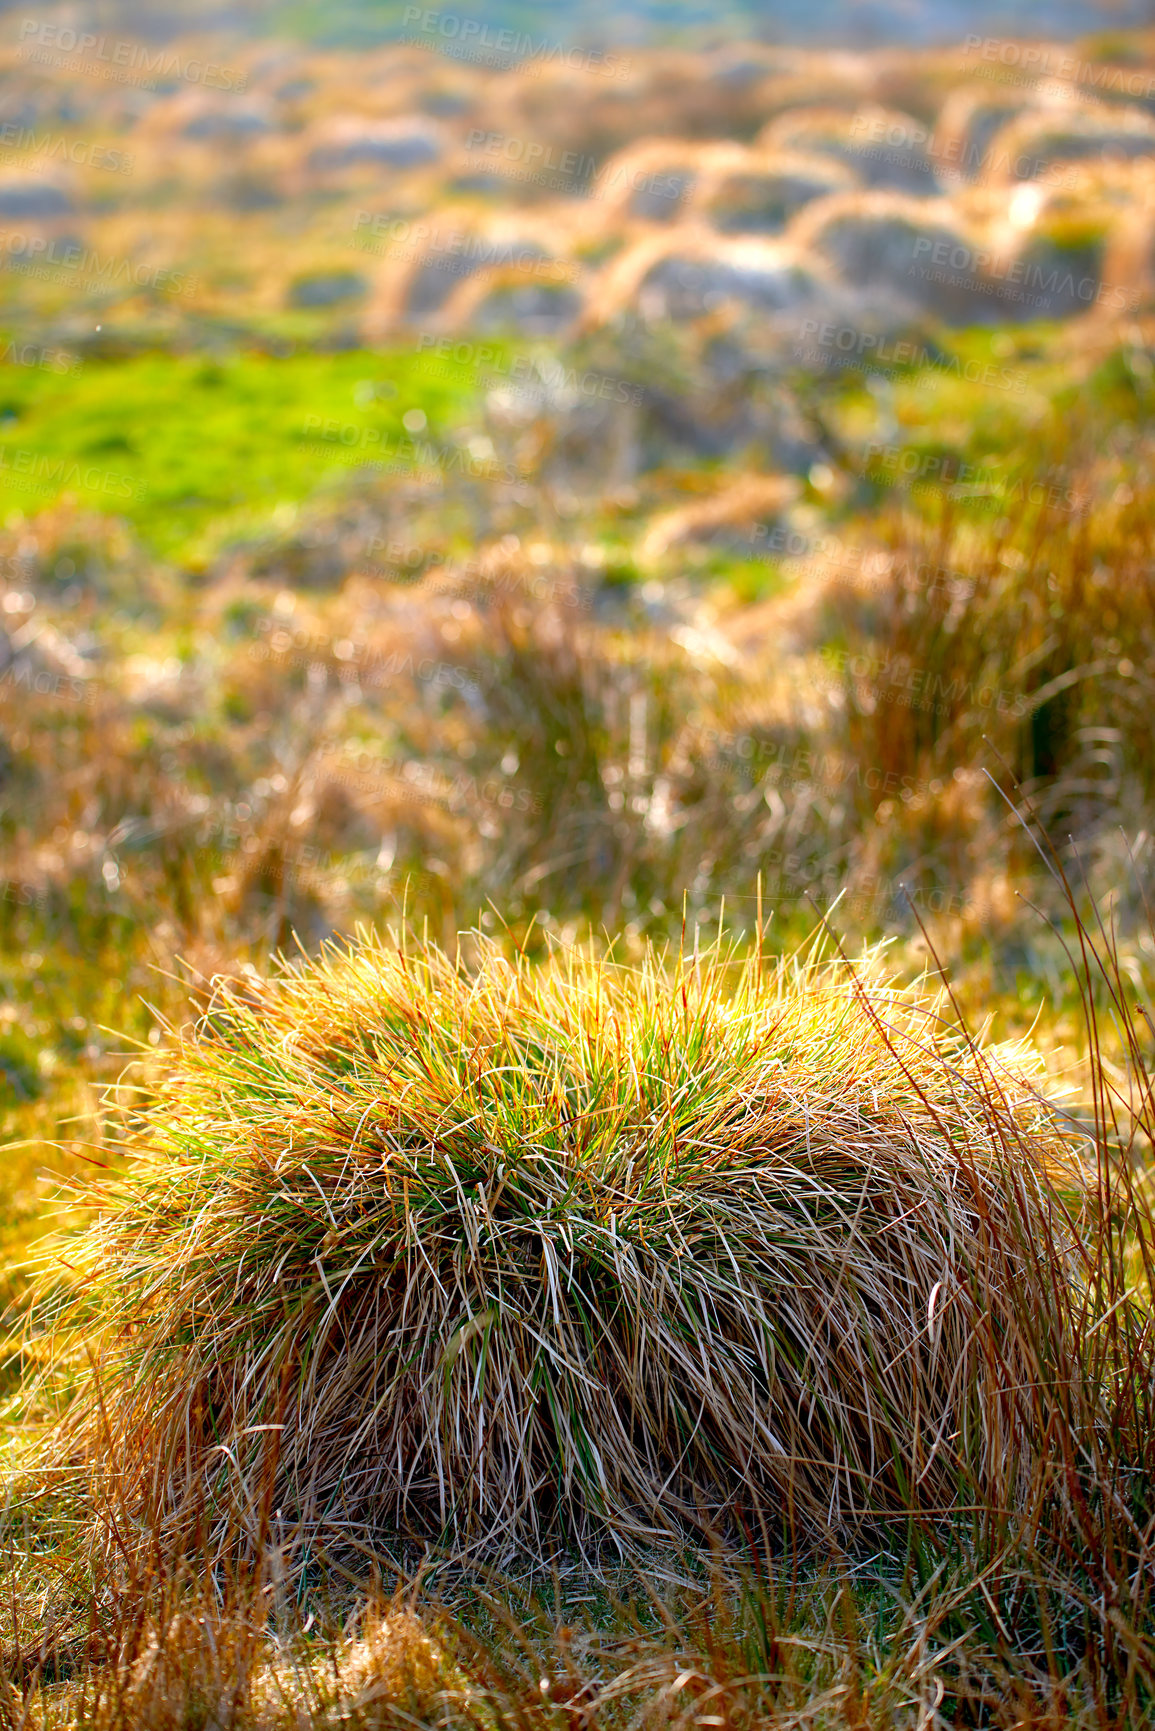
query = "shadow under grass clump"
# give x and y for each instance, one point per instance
(505, 1256)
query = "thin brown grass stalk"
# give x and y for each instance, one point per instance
(1064, 1571)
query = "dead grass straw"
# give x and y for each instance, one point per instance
(503, 1257)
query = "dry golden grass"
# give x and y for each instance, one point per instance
(504, 1257)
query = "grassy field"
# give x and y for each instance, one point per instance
(181, 447)
(576, 964)
(456, 706)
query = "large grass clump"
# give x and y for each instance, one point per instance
(505, 1256)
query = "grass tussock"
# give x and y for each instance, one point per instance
(502, 1256)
